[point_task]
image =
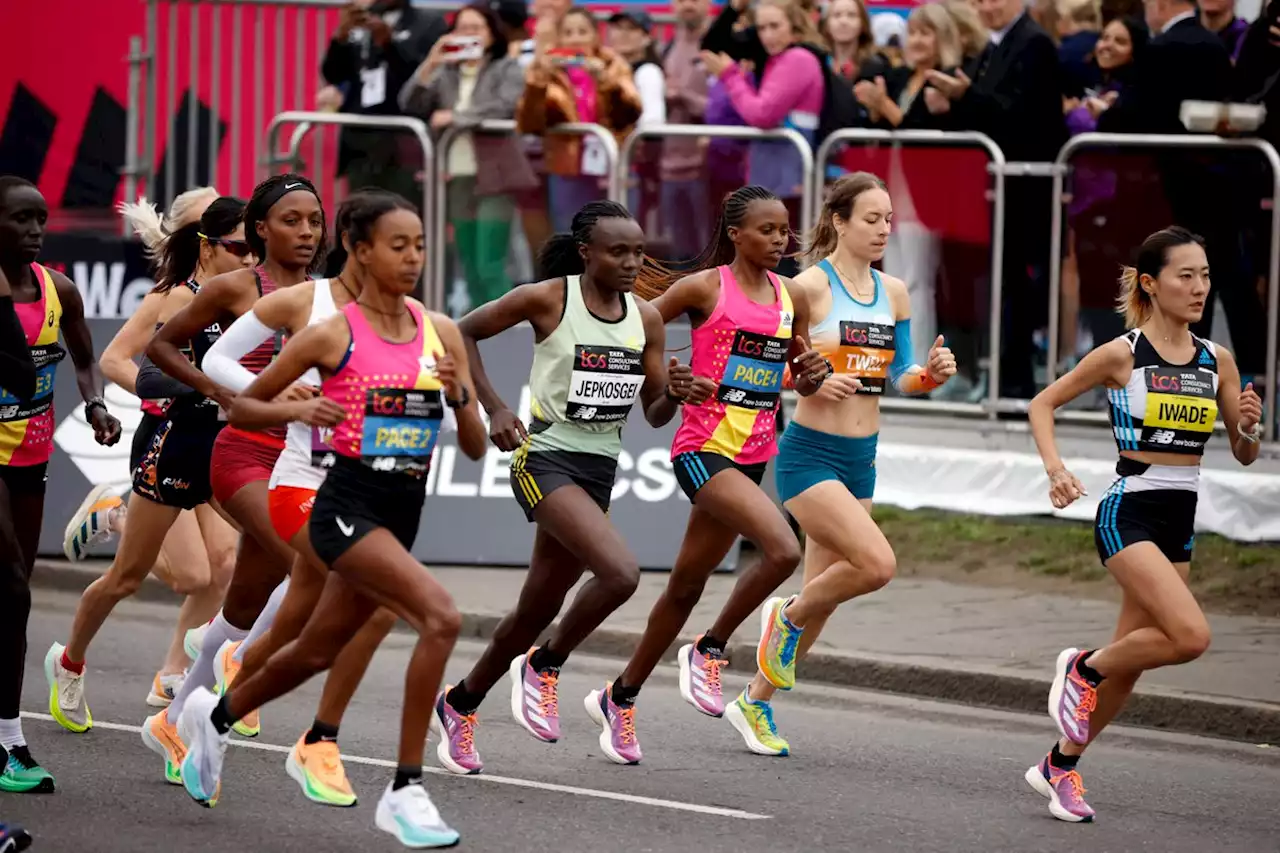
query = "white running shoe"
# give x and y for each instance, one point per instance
(92, 522)
(193, 640)
(164, 688)
(412, 818)
(66, 693)
(206, 748)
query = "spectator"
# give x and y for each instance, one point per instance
(1045, 13)
(974, 37)
(1079, 23)
(513, 15)
(460, 85)
(1015, 97)
(684, 191)
(847, 28)
(1219, 17)
(629, 37)
(577, 80)
(374, 51)
(1257, 80)
(933, 43)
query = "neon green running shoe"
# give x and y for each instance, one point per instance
(22, 775)
(754, 721)
(66, 693)
(317, 768)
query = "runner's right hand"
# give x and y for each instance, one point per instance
(505, 430)
(837, 387)
(1064, 488)
(321, 412)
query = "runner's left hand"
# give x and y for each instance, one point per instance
(297, 392)
(447, 373)
(809, 369)
(106, 429)
(942, 363)
(1250, 408)
(679, 378)
(700, 390)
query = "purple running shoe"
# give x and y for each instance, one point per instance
(700, 680)
(535, 703)
(1071, 698)
(457, 747)
(617, 724)
(1063, 788)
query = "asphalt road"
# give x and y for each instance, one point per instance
(870, 772)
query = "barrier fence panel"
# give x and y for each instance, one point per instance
(622, 173)
(997, 167)
(1158, 142)
(433, 295)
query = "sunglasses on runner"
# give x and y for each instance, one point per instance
(239, 248)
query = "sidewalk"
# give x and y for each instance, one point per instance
(976, 645)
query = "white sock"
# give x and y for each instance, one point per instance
(264, 620)
(11, 734)
(201, 673)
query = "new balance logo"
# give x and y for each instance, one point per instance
(1161, 436)
(735, 396)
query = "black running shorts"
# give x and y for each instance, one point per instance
(696, 468)
(174, 470)
(142, 438)
(354, 500)
(1128, 514)
(534, 475)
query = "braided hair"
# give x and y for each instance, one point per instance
(655, 278)
(265, 195)
(560, 255)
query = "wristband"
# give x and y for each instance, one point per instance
(927, 382)
(1254, 435)
(91, 404)
(459, 403)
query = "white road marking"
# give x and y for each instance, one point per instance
(482, 777)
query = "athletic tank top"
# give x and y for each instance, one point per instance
(294, 467)
(394, 403)
(857, 337)
(1165, 407)
(26, 429)
(195, 408)
(743, 347)
(585, 377)
(257, 360)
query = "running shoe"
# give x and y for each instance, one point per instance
(534, 701)
(617, 724)
(1064, 789)
(317, 768)
(1071, 698)
(66, 693)
(194, 639)
(92, 522)
(22, 774)
(413, 819)
(226, 668)
(13, 838)
(162, 738)
(754, 721)
(164, 688)
(206, 748)
(457, 747)
(776, 654)
(700, 679)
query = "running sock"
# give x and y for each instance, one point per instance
(1059, 760)
(202, 673)
(709, 646)
(11, 734)
(264, 620)
(221, 716)
(406, 776)
(22, 754)
(463, 700)
(544, 659)
(320, 731)
(623, 696)
(1086, 672)
(70, 665)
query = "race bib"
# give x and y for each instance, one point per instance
(753, 374)
(400, 429)
(865, 351)
(595, 160)
(46, 358)
(1180, 399)
(322, 453)
(373, 86)
(604, 383)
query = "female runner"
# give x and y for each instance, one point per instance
(748, 324)
(168, 479)
(285, 227)
(183, 246)
(47, 305)
(595, 348)
(1166, 388)
(389, 369)
(826, 467)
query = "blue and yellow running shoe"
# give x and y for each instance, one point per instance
(754, 721)
(779, 639)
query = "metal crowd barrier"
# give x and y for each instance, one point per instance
(998, 167)
(618, 191)
(438, 231)
(1159, 141)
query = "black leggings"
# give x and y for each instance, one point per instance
(21, 509)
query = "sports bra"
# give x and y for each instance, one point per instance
(1165, 407)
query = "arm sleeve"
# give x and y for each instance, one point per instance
(222, 362)
(16, 366)
(154, 384)
(902, 363)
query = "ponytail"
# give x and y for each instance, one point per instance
(1132, 302)
(171, 242)
(143, 217)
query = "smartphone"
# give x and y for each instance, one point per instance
(462, 48)
(567, 57)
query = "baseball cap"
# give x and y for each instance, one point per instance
(639, 17)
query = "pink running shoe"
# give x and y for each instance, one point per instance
(1063, 788)
(700, 680)
(535, 703)
(1071, 698)
(618, 738)
(457, 747)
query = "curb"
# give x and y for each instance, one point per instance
(1252, 722)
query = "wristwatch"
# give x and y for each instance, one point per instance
(91, 404)
(458, 404)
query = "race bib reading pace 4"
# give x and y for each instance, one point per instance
(604, 383)
(866, 351)
(400, 429)
(1182, 400)
(753, 373)
(46, 358)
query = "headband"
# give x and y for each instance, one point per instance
(281, 190)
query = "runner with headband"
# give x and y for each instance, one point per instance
(826, 467)
(748, 325)
(285, 227)
(596, 347)
(48, 307)
(1166, 388)
(389, 370)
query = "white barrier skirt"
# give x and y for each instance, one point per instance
(1240, 505)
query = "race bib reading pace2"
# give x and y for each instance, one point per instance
(1180, 399)
(400, 429)
(604, 383)
(753, 374)
(866, 350)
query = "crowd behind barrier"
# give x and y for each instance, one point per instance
(973, 245)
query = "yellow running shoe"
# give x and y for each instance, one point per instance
(317, 768)
(227, 668)
(779, 642)
(162, 738)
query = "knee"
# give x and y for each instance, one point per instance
(313, 659)
(1191, 642)
(222, 565)
(879, 568)
(685, 592)
(192, 581)
(120, 584)
(781, 556)
(441, 623)
(382, 621)
(622, 580)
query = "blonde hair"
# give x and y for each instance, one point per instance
(800, 19)
(1133, 302)
(1086, 13)
(973, 35)
(145, 220)
(936, 19)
